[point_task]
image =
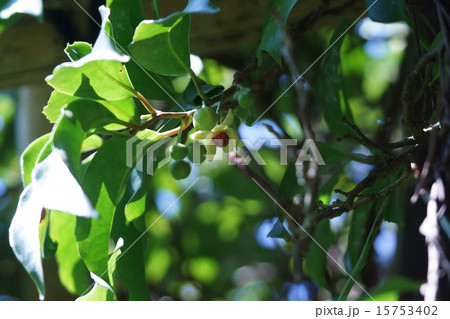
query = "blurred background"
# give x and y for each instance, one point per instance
(212, 244)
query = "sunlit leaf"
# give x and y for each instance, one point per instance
(78, 50)
(24, 235)
(162, 46)
(104, 185)
(125, 17)
(30, 156)
(72, 272)
(99, 75)
(275, 17)
(101, 291)
(135, 280)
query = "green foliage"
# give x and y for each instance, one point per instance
(169, 41)
(116, 218)
(330, 87)
(275, 18)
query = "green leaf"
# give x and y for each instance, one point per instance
(191, 95)
(77, 50)
(330, 86)
(386, 11)
(327, 188)
(162, 46)
(135, 280)
(316, 259)
(200, 6)
(289, 186)
(392, 213)
(70, 131)
(101, 291)
(357, 233)
(31, 7)
(99, 75)
(138, 187)
(278, 230)
(275, 18)
(124, 110)
(59, 190)
(149, 84)
(24, 235)
(104, 185)
(72, 272)
(30, 156)
(125, 17)
(52, 187)
(396, 285)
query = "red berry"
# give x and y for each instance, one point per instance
(221, 139)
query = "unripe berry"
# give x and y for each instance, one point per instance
(205, 119)
(200, 157)
(178, 151)
(180, 169)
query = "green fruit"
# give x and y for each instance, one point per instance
(205, 119)
(178, 151)
(180, 169)
(246, 99)
(200, 157)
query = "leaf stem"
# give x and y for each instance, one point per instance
(156, 8)
(146, 103)
(197, 85)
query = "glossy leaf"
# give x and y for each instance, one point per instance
(72, 272)
(135, 280)
(330, 86)
(136, 205)
(31, 7)
(200, 6)
(104, 185)
(71, 129)
(59, 190)
(30, 156)
(125, 17)
(275, 18)
(98, 75)
(101, 291)
(24, 235)
(52, 187)
(386, 11)
(78, 50)
(316, 260)
(150, 84)
(162, 46)
(124, 110)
